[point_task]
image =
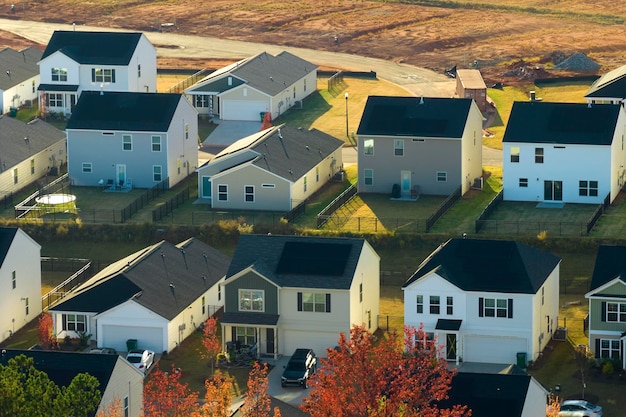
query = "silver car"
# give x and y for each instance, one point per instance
(142, 359)
(579, 408)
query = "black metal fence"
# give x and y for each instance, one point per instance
(443, 208)
(168, 207)
(295, 212)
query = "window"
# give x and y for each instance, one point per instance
(523, 182)
(268, 185)
(222, 192)
(33, 86)
(539, 155)
(13, 280)
(219, 292)
(126, 407)
(304, 183)
(317, 174)
(55, 100)
(368, 177)
(495, 307)
(251, 300)
(102, 75)
(305, 84)
(246, 335)
(515, 154)
(449, 306)
(588, 188)
(186, 131)
(435, 304)
(442, 176)
(248, 193)
(32, 166)
(74, 322)
(204, 305)
(59, 74)
(15, 176)
(368, 147)
(609, 348)
(138, 70)
(542, 295)
(87, 167)
(360, 292)
(157, 173)
(419, 302)
(127, 142)
(156, 143)
(26, 309)
(426, 341)
(201, 101)
(398, 147)
(616, 312)
(314, 302)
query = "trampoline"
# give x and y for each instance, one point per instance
(57, 203)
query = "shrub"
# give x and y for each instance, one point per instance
(607, 368)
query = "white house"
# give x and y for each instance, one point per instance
(287, 292)
(564, 152)
(609, 88)
(131, 139)
(485, 300)
(157, 296)
(77, 61)
(19, 77)
(20, 280)
(262, 83)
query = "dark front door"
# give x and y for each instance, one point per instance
(269, 337)
(553, 190)
(451, 346)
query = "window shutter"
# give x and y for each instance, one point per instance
(480, 306)
(597, 355)
(603, 315)
(299, 301)
(113, 75)
(510, 308)
(328, 303)
(93, 75)
(64, 321)
(233, 333)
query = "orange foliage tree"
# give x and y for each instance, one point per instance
(165, 396)
(267, 121)
(210, 342)
(554, 406)
(257, 402)
(381, 378)
(45, 332)
(112, 409)
(218, 396)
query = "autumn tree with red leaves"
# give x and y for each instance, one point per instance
(218, 396)
(267, 121)
(382, 378)
(45, 332)
(165, 396)
(210, 342)
(257, 402)
(112, 409)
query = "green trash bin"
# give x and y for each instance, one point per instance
(521, 359)
(13, 111)
(131, 344)
(262, 116)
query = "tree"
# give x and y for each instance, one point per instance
(112, 409)
(210, 342)
(45, 332)
(582, 357)
(554, 406)
(81, 396)
(257, 402)
(218, 396)
(165, 396)
(363, 376)
(267, 121)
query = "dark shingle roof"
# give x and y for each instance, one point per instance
(261, 319)
(21, 64)
(62, 367)
(268, 251)
(148, 112)
(489, 265)
(108, 48)
(7, 234)
(610, 264)
(415, 116)
(568, 123)
(15, 149)
(611, 84)
(191, 267)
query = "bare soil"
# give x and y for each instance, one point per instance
(499, 35)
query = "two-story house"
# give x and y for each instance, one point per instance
(609, 88)
(20, 280)
(19, 78)
(564, 152)
(131, 139)
(607, 304)
(485, 300)
(286, 292)
(431, 143)
(77, 61)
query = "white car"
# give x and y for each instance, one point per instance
(579, 408)
(142, 359)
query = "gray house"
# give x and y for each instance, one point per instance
(131, 139)
(609, 89)
(424, 145)
(19, 77)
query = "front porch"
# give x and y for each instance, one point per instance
(256, 335)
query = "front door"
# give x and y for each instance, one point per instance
(269, 336)
(553, 190)
(121, 174)
(405, 181)
(451, 346)
(206, 187)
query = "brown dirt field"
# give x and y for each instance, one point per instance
(497, 33)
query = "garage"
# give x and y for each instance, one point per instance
(319, 342)
(147, 337)
(493, 349)
(243, 110)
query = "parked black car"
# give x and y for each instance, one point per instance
(300, 367)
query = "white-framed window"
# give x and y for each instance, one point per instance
(219, 292)
(435, 304)
(442, 176)
(157, 173)
(127, 143)
(126, 407)
(588, 188)
(368, 176)
(305, 84)
(74, 322)
(87, 167)
(59, 74)
(138, 70)
(103, 75)
(26, 306)
(317, 174)
(186, 131)
(515, 154)
(55, 100)
(314, 302)
(251, 300)
(360, 292)
(33, 87)
(398, 147)
(222, 192)
(32, 166)
(609, 348)
(246, 335)
(304, 183)
(419, 303)
(368, 147)
(201, 101)
(523, 182)
(13, 280)
(539, 155)
(496, 307)
(426, 341)
(616, 312)
(268, 185)
(204, 303)
(156, 143)
(248, 193)
(449, 306)
(15, 176)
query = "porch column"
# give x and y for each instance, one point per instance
(458, 348)
(223, 338)
(275, 342)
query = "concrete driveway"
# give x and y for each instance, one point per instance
(291, 395)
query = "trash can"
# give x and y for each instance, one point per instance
(521, 359)
(262, 116)
(131, 344)
(13, 111)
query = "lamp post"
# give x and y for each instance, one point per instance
(346, 96)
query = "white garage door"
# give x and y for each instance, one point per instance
(493, 349)
(243, 110)
(147, 337)
(293, 340)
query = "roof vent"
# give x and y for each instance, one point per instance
(307, 147)
(422, 100)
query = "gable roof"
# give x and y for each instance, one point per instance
(15, 148)
(610, 264)
(21, 66)
(489, 265)
(285, 151)
(164, 278)
(569, 123)
(264, 72)
(129, 111)
(109, 48)
(7, 234)
(415, 116)
(611, 84)
(299, 261)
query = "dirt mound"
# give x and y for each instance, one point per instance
(525, 71)
(578, 62)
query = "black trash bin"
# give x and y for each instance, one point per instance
(131, 344)
(13, 111)
(521, 359)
